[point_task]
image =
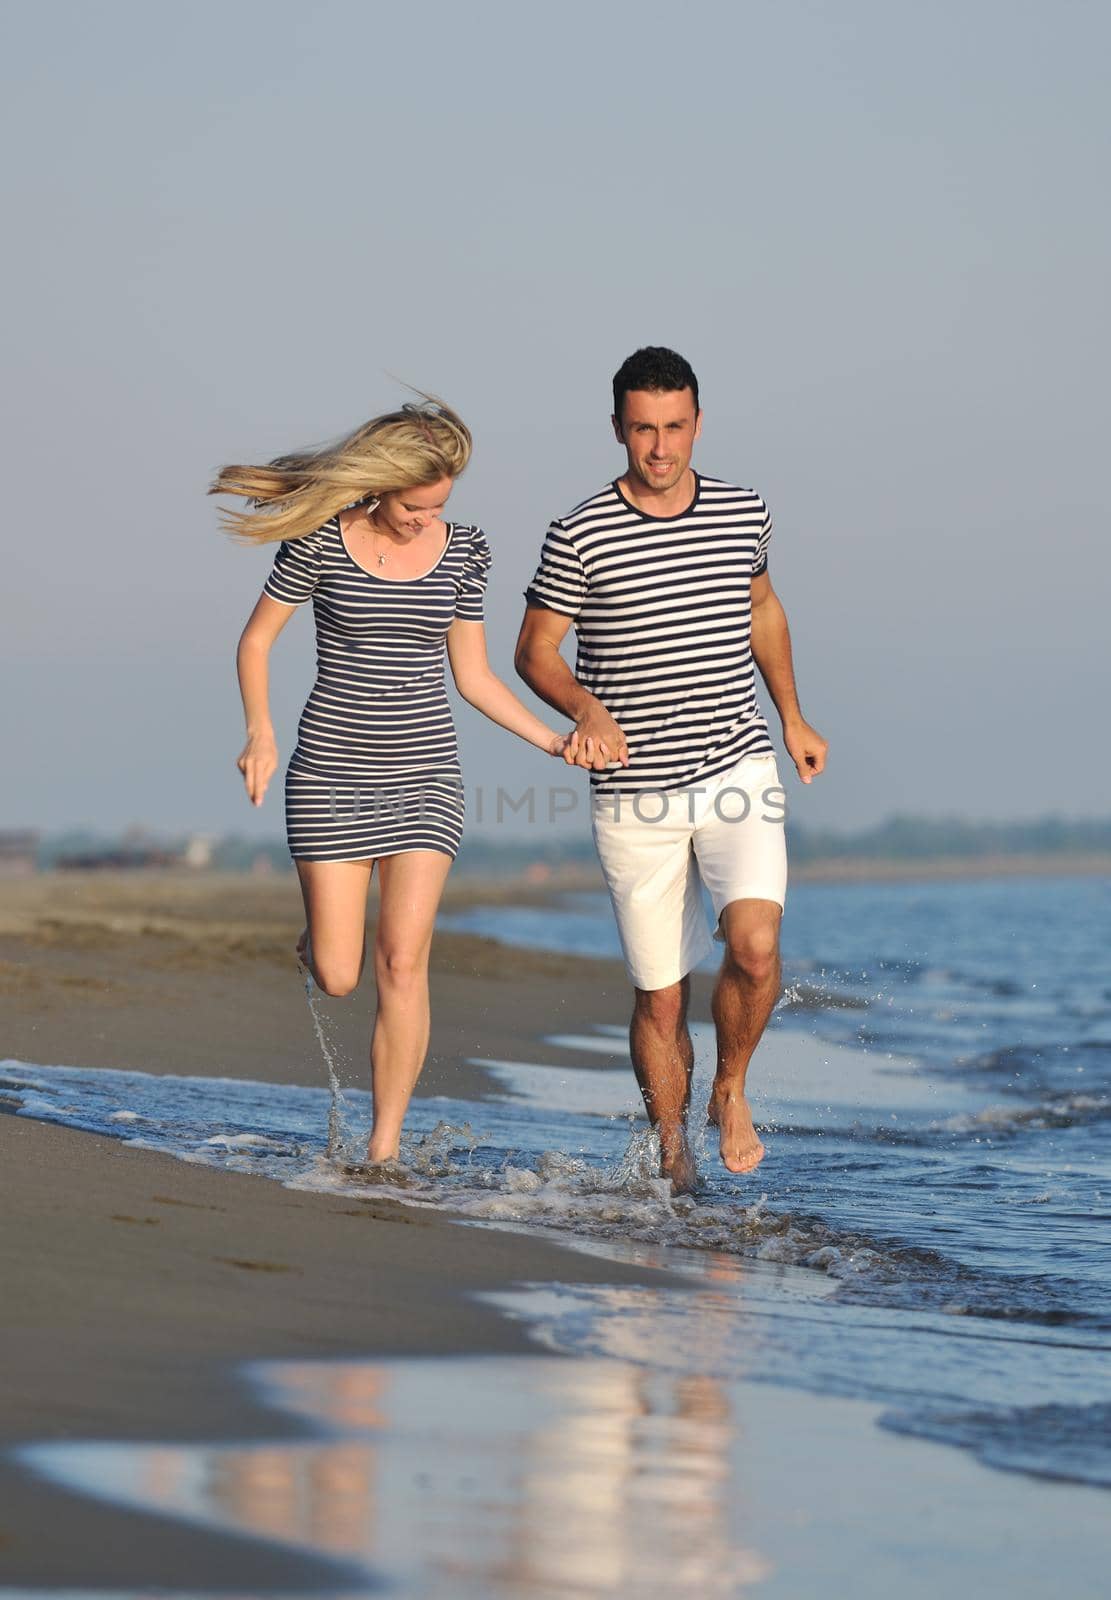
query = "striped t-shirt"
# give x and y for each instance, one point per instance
(663, 617)
(379, 706)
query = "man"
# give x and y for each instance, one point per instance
(665, 575)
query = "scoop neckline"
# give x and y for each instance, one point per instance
(647, 515)
(377, 576)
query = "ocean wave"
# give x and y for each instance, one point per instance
(1064, 1111)
(1036, 1066)
(1068, 1443)
(629, 1202)
(255, 1144)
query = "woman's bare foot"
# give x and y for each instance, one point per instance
(740, 1145)
(677, 1160)
(379, 1172)
(303, 951)
(380, 1149)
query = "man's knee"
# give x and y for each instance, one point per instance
(753, 949)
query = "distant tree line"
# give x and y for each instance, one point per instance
(903, 838)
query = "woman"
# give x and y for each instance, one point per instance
(375, 775)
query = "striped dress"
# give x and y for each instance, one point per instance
(663, 619)
(376, 768)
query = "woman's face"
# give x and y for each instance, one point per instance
(407, 512)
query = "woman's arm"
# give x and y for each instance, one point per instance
(483, 689)
(258, 760)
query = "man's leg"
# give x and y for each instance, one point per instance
(744, 995)
(652, 877)
(663, 1060)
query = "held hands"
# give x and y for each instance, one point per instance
(596, 741)
(806, 748)
(258, 762)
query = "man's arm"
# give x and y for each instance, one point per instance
(597, 739)
(771, 651)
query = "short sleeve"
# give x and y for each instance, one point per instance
(559, 582)
(296, 569)
(760, 559)
(473, 578)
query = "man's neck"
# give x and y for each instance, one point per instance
(659, 502)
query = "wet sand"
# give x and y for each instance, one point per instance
(134, 1282)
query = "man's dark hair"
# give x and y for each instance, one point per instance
(653, 368)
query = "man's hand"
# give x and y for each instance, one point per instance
(596, 741)
(806, 748)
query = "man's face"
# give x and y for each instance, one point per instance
(658, 428)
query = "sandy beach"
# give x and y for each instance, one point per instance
(192, 974)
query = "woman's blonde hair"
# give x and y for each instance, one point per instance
(295, 494)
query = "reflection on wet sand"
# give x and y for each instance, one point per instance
(318, 1495)
(528, 1476)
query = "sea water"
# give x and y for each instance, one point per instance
(927, 1234)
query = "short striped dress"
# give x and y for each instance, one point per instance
(376, 768)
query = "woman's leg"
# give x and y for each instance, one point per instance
(410, 886)
(333, 946)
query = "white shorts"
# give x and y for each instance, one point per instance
(658, 848)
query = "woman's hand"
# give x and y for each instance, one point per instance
(258, 763)
(558, 745)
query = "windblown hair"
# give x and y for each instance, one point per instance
(295, 494)
(655, 367)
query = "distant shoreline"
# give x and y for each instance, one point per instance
(582, 876)
(540, 878)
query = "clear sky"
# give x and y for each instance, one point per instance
(875, 229)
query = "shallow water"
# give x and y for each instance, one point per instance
(996, 996)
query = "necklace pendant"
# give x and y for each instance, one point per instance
(381, 561)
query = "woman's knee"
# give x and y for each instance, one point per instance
(337, 975)
(337, 978)
(400, 966)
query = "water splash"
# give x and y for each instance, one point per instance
(431, 1154)
(339, 1112)
(637, 1169)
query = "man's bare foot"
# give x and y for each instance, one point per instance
(677, 1161)
(740, 1145)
